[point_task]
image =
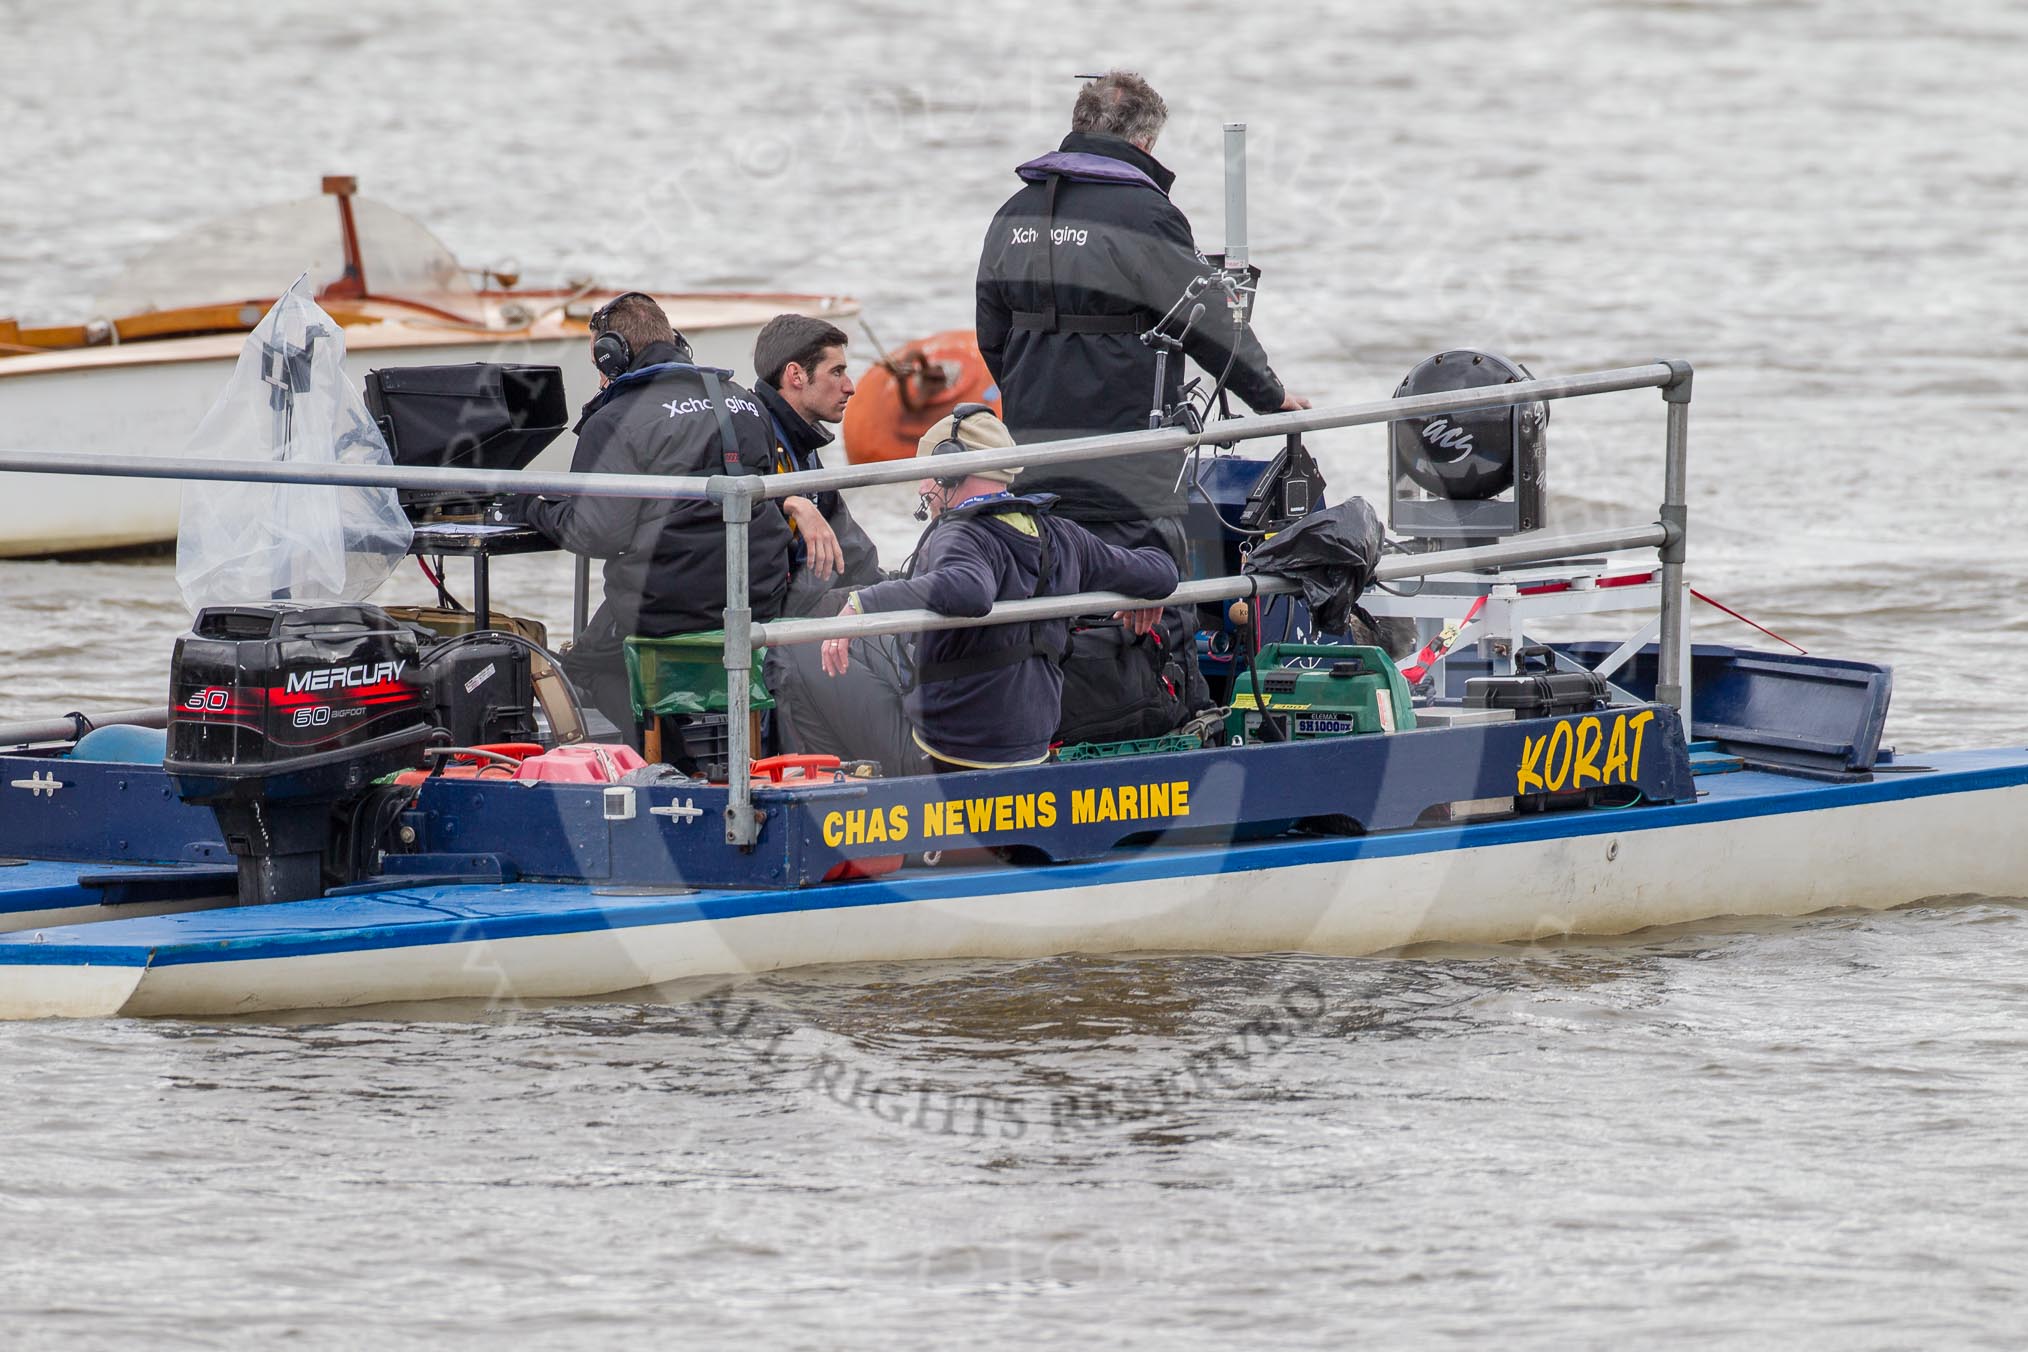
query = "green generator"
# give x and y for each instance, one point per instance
(1321, 690)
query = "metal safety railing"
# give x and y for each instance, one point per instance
(738, 495)
(1665, 535)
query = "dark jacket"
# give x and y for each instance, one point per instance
(1121, 254)
(1006, 710)
(797, 446)
(665, 561)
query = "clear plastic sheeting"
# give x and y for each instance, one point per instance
(289, 399)
(404, 260)
(240, 257)
(249, 255)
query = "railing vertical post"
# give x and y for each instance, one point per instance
(736, 506)
(1673, 660)
(580, 597)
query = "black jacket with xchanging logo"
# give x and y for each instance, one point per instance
(665, 560)
(1063, 297)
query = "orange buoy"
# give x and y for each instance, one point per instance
(909, 389)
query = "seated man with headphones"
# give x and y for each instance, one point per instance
(988, 697)
(658, 412)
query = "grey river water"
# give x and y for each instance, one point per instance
(1801, 1133)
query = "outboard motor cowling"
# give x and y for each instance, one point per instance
(281, 716)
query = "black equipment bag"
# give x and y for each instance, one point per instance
(1119, 687)
(1332, 552)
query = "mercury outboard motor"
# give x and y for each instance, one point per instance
(281, 716)
(1465, 477)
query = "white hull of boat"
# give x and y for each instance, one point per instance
(146, 399)
(1418, 888)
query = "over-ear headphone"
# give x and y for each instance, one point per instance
(951, 444)
(611, 352)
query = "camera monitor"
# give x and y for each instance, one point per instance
(480, 415)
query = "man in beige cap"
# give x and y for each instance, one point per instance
(988, 697)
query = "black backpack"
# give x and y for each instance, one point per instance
(1119, 687)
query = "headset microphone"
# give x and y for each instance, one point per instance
(950, 445)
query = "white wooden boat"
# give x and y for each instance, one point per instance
(137, 383)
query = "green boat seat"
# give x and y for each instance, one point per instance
(684, 674)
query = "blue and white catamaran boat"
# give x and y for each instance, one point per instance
(121, 895)
(290, 852)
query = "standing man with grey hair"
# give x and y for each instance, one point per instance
(1087, 256)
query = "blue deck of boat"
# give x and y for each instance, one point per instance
(42, 885)
(446, 914)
